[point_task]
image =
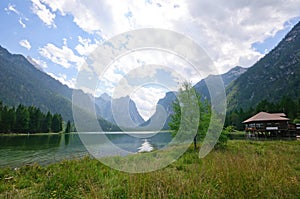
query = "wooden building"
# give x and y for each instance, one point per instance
(270, 125)
(298, 130)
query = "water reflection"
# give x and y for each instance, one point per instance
(44, 149)
(30, 141)
(146, 147)
(67, 138)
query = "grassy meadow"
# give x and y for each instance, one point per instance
(244, 169)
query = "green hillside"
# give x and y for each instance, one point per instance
(274, 76)
(22, 83)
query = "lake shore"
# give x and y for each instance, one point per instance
(29, 134)
(245, 169)
(52, 133)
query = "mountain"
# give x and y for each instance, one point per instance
(34, 63)
(161, 117)
(116, 109)
(23, 82)
(164, 107)
(227, 78)
(275, 75)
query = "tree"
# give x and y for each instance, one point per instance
(68, 127)
(1, 107)
(47, 121)
(297, 119)
(22, 119)
(56, 124)
(28, 120)
(288, 106)
(33, 120)
(39, 116)
(191, 117)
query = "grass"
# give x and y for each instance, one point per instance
(245, 169)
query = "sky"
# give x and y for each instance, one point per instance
(59, 35)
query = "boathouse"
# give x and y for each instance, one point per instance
(270, 125)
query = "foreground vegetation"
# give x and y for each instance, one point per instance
(245, 169)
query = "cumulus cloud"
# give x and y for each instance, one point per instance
(25, 43)
(64, 56)
(91, 16)
(146, 99)
(226, 30)
(43, 13)
(12, 8)
(86, 46)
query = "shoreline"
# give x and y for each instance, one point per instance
(109, 132)
(30, 134)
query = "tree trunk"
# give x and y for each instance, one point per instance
(195, 142)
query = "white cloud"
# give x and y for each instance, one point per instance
(43, 13)
(22, 23)
(64, 56)
(146, 99)
(226, 30)
(25, 43)
(86, 46)
(89, 15)
(63, 79)
(12, 8)
(39, 62)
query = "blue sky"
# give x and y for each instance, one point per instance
(59, 35)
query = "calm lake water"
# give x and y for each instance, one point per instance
(17, 150)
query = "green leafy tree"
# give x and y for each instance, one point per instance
(190, 114)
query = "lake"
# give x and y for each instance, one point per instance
(17, 150)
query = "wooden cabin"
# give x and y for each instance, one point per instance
(270, 125)
(298, 129)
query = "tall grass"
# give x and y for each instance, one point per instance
(245, 169)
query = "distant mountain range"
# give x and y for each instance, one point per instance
(166, 103)
(112, 109)
(276, 75)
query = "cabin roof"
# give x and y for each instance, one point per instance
(263, 116)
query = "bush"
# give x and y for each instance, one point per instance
(297, 121)
(222, 141)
